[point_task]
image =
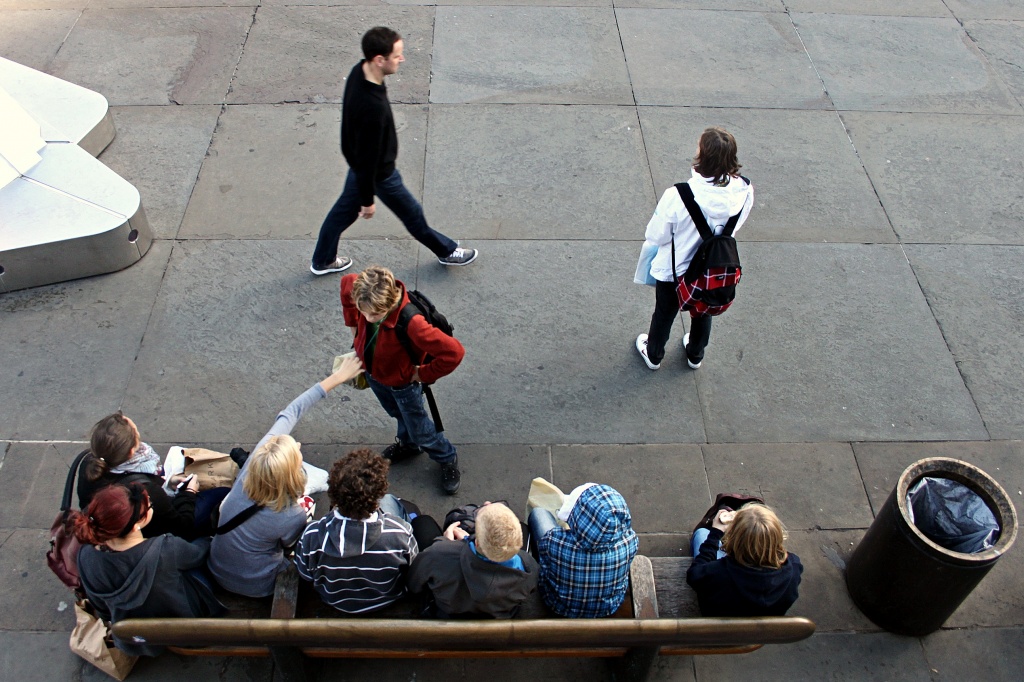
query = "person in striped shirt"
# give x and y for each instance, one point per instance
(358, 554)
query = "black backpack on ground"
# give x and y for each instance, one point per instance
(708, 286)
(419, 304)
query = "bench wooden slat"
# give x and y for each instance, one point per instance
(676, 599)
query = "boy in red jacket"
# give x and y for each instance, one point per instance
(372, 301)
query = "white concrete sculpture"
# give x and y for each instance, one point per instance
(63, 214)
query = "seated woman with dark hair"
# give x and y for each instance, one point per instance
(118, 455)
(358, 554)
(126, 575)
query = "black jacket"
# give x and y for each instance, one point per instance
(368, 138)
(464, 584)
(149, 580)
(727, 588)
(174, 515)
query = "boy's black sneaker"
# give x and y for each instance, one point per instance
(399, 451)
(451, 478)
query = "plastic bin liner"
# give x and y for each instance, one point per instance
(952, 515)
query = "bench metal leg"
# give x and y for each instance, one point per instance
(636, 665)
(289, 664)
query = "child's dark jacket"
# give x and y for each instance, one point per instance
(726, 588)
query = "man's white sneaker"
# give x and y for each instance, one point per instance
(692, 364)
(641, 347)
(340, 263)
(459, 256)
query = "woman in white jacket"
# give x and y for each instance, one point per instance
(721, 193)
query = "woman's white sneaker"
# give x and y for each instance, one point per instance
(641, 347)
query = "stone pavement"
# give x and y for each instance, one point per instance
(880, 319)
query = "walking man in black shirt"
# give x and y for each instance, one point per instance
(370, 146)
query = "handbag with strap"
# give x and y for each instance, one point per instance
(730, 501)
(62, 557)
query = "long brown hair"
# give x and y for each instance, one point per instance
(113, 513)
(716, 156)
(111, 442)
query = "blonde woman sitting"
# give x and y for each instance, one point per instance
(265, 511)
(755, 576)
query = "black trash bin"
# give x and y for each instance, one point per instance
(908, 584)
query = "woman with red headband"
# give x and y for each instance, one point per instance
(126, 575)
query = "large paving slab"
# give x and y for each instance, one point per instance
(986, 9)
(32, 479)
(987, 654)
(38, 656)
(738, 5)
(859, 358)
(548, 372)
(835, 657)
(69, 348)
(926, 170)
(977, 296)
(1003, 43)
(322, 43)
(811, 188)
(159, 149)
(155, 55)
(33, 36)
(998, 599)
(31, 597)
(274, 171)
(930, 64)
(530, 171)
(646, 476)
(229, 347)
(769, 70)
(493, 670)
(174, 668)
(899, 8)
(560, 55)
(823, 594)
(780, 473)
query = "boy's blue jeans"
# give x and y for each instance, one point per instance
(405, 404)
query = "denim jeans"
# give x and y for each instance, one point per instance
(396, 197)
(541, 522)
(405, 404)
(699, 536)
(666, 306)
(391, 504)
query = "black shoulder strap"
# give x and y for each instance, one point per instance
(237, 520)
(699, 221)
(405, 315)
(69, 484)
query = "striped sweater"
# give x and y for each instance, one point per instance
(356, 565)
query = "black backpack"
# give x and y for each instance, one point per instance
(419, 304)
(708, 286)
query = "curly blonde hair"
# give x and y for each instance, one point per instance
(375, 290)
(275, 477)
(755, 538)
(499, 535)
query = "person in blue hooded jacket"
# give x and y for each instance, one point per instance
(584, 569)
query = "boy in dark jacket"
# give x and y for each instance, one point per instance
(756, 577)
(482, 575)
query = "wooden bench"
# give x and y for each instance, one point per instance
(655, 620)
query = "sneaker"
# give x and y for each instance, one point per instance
(641, 347)
(691, 363)
(340, 263)
(459, 256)
(450, 476)
(399, 451)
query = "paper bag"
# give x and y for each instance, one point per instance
(545, 495)
(359, 381)
(91, 640)
(212, 469)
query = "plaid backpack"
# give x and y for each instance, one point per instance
(708, 286)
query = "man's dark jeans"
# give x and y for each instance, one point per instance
(396, 197)
(666, 306)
